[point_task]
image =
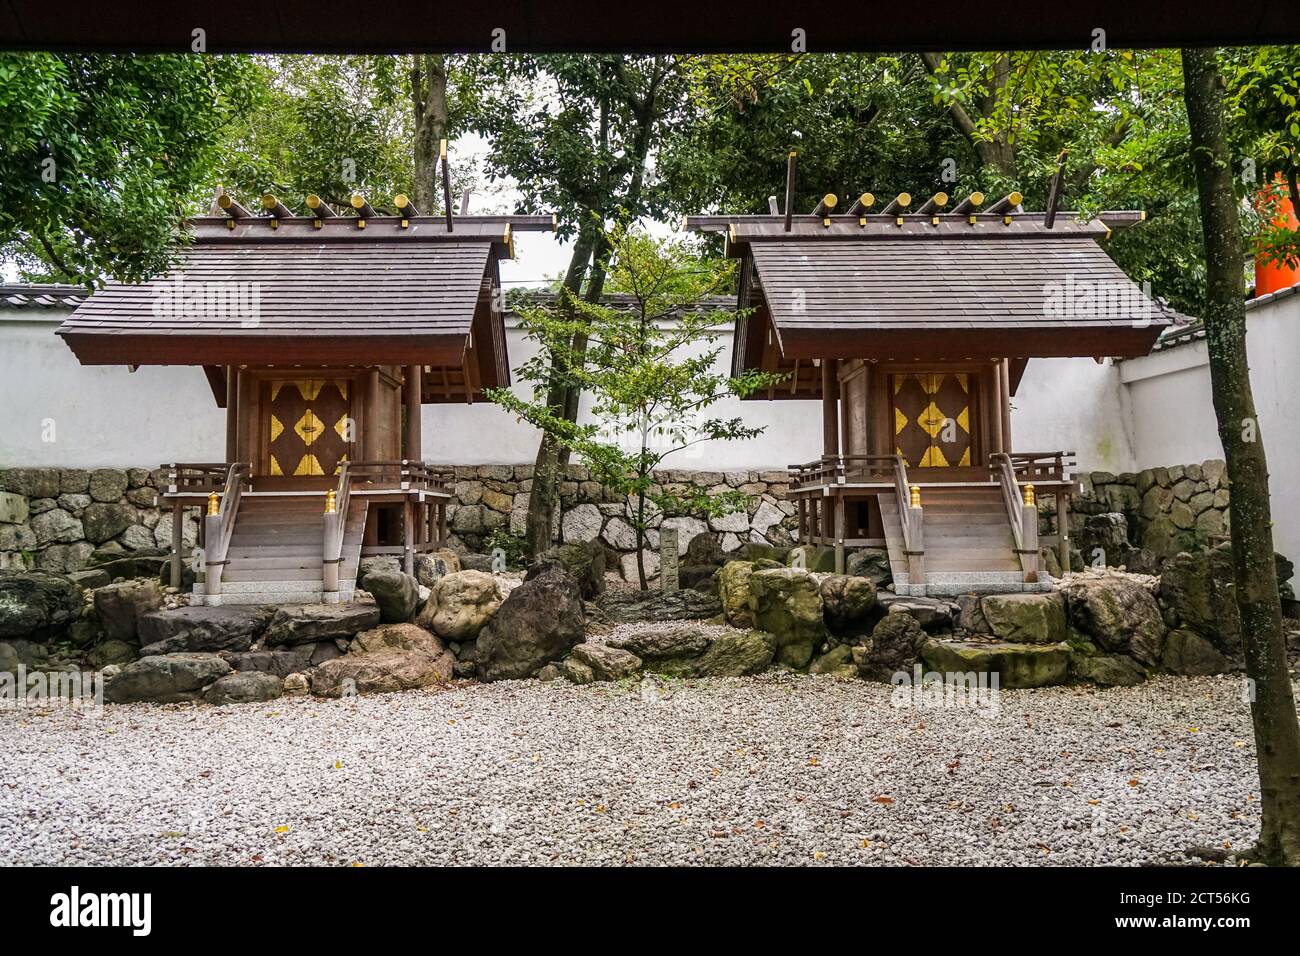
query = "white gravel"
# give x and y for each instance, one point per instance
(776, 769)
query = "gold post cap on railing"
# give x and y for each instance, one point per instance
(214, 504)
(916, 496)
(331, 502)
(1029, 494)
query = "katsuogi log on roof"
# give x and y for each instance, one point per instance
(360, 288)
(932, 279)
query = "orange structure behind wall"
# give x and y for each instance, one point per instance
(1272, 276)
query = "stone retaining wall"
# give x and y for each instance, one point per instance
(494, 498)
(54, 519)
(1141, 518)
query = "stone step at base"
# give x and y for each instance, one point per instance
(1017, 665)
(277, 593)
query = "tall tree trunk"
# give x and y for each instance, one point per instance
(546, 467)
(429, 108)
(1277, 732)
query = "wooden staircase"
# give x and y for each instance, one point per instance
(968, 542)
(275, 554)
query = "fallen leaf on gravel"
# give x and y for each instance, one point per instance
(281, 829)
(818, 855)
(759, 824)
(884, 800)
(865, 844)
(1133, 782)
(812, 761)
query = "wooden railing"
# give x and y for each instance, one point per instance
(1022, 511)
(197, 478)
(218, 527)
(1039, 468)
(911, 517)
(401, 474)
(842, 469)
(334, 524)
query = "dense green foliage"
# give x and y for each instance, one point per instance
(102, 156)
(650, 384)
(137, 142)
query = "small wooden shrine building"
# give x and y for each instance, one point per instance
(322, 336)
(913, 326)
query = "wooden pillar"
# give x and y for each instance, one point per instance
(1004, 400)
(442, 523)
(830, 407)
(412, 389)
(232, 413)
(370, 433)
(839, 534)
(803, 519)
(1063, 529)
(178, 540)
(994, 393)
(408, 536)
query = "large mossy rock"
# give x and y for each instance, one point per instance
(933, 614)
(461, 604)
(120, 607)
(244, 687)
(847, 602)
(737, 654)
(1191, 655)
(283, 661)
(37, 604)
(1017, 665)
(1026, 618)
(1197, 591)
(1108, 670)
(684, 604)
(870, 563)
(310, 623)
(733, 591)
(812, 557)
(607, 663)
(584, 561)
(896, 641)
(669, 644)
(396, 594)
(431, 567)
(838, 662)
(539, 622)
(385, 659)
(166, 678)
(199, 628)
(1118, 614)
(787, 603)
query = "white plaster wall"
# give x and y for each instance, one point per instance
(106, 416)
(1072, 404)
(1167, 406)
(102, 415)
(485, 434)
(1171, 415)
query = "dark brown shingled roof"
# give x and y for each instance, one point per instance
(972, 283)
(397, 291)
(960, 296)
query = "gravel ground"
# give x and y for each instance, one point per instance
(769, 770)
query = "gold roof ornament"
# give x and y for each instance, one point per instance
(331, 502)
(214, 504)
